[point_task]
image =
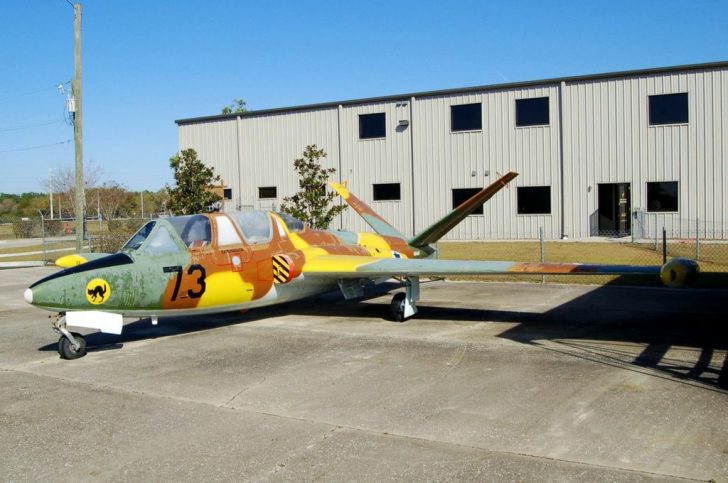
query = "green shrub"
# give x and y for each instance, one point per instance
(26, 228)
(111, 241)
(53, 227)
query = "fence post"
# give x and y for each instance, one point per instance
(697, 239)
(42, 237)
(664, 245)
(543, 252)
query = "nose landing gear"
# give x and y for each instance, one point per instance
(71, 345)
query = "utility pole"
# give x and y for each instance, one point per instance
(78, 128)
(50, 188)
(142, 195)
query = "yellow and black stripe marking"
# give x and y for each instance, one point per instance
(282, 269)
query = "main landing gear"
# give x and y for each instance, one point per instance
(71, 345)
(403, 303)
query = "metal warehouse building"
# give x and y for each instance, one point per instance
(610, 154)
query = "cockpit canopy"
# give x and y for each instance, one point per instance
(168, 235)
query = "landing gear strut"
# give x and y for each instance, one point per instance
(71, 345)
(403, 303)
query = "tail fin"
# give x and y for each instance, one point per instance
(449, 221)
(437, 230)
(377, 223)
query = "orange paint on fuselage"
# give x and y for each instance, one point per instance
(255, 268)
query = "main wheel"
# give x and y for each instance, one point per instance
(66, 350)
(397, 306)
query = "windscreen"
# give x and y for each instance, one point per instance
(139, 237)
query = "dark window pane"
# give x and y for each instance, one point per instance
(461, 195)
(386, 191)
(662, 196)
(227, 193)
(669, 109)
(372, 126)
(534, 200)
(532, 112)
(267, 192)
(466, 117)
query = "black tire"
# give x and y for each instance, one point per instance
(66, 350)
(397, 306)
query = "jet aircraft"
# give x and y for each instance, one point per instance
(219, 262)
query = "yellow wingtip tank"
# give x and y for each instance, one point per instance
(69, 261)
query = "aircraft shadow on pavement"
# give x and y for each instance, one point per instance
(633, 328)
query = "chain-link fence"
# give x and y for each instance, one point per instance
(643, 248)
(46, 240)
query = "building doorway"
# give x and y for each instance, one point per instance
(614, 207)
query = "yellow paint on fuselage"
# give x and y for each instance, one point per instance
(335, 263)
(226, 288)
(375, 245)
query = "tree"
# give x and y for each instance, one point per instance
(193, 179)
(237, 106)
(63, 186)
(311, 203)
(109, 198)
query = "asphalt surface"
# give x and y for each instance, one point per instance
(491, 382)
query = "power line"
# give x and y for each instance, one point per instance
(35, 147)
(28, 93)
(29, 126)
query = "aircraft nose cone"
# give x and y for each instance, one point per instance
(28, 295)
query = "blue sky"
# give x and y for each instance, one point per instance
(147, 63)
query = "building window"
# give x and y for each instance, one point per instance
(662, 196)
(227, 194)
(669, 109)
(267, 192)
(461, 195)
(386, 192)
(372, 126)
(532, 112)
(534, 200)
(466, 117)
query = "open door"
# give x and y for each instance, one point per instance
(614, 207)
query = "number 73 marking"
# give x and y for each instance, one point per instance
(201, 286)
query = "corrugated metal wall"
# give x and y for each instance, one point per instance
(608, 139)
(445, 160)
(366, 162)
(606, 135)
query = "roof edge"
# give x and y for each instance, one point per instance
(460, 90)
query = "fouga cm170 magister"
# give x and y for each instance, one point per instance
(219, 262)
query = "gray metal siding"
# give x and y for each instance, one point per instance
(365, 162)
(269, 145)
(445, 160)
(606, 139)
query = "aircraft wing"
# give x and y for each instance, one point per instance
(342, 266)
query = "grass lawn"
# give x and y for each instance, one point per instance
(6, 231)
(713, 264)
(39, 247)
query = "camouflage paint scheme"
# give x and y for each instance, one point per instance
(209, 276)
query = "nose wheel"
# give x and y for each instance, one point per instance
(71, 345)
(72, 350)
